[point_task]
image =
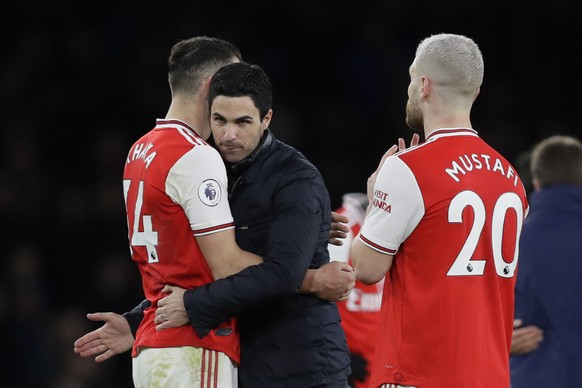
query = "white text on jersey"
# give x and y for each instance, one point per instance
(479, 162)
(359, 300)
(140, 151)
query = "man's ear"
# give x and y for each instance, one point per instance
(267, 119)
(425, 89)
(206, 84)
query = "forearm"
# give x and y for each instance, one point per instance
(370, 266)
(308, 285)
(242, 260)
(223, 255)
(332, 281)
(210, 305)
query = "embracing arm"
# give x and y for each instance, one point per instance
(332, 281)
(223, 255)
(290, 244)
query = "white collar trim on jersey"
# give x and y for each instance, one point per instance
(172, 123)
(445, 132)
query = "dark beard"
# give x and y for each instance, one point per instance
(414, 119)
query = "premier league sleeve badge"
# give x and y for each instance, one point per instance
(209, 192)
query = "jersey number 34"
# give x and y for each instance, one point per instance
(148, 237)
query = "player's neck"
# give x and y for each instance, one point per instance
(454, 120)
(192, 112)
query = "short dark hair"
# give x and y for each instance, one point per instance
(557, 160)
(243, 80)
(193, 60)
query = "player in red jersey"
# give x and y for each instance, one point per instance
(443, 227)
(360, 313)
(181, 230)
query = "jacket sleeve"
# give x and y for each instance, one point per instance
(135, 315)
(289, 253)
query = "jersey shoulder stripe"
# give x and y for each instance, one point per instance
(377, 247)
(213, 229)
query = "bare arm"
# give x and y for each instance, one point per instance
(223, 255)
(370, 265)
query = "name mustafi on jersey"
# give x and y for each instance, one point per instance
(472, 162)
(140, 151)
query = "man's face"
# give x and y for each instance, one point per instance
(236, 126)
(414, 117)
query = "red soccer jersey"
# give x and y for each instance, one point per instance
(175, 188)
(451, 210)
(360, 313)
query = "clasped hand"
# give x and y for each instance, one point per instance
(171, 311)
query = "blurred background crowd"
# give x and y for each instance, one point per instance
(82, 81)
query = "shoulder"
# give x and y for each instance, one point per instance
(198, 159)
(293, 176)
(292, 161)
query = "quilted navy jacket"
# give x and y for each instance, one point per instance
(282, 213)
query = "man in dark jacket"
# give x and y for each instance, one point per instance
(288, 338)
(547, 293)
(282, 213)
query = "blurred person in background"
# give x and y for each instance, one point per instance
(547, 343)
(360, 312)
(443, 226)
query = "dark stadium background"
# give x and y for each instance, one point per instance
(80, 81)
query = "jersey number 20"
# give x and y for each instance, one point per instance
(464, 264)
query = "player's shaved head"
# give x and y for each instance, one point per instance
(193, 60)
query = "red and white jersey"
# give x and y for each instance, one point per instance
(360, 313)
(175, 188)
(451, 211)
